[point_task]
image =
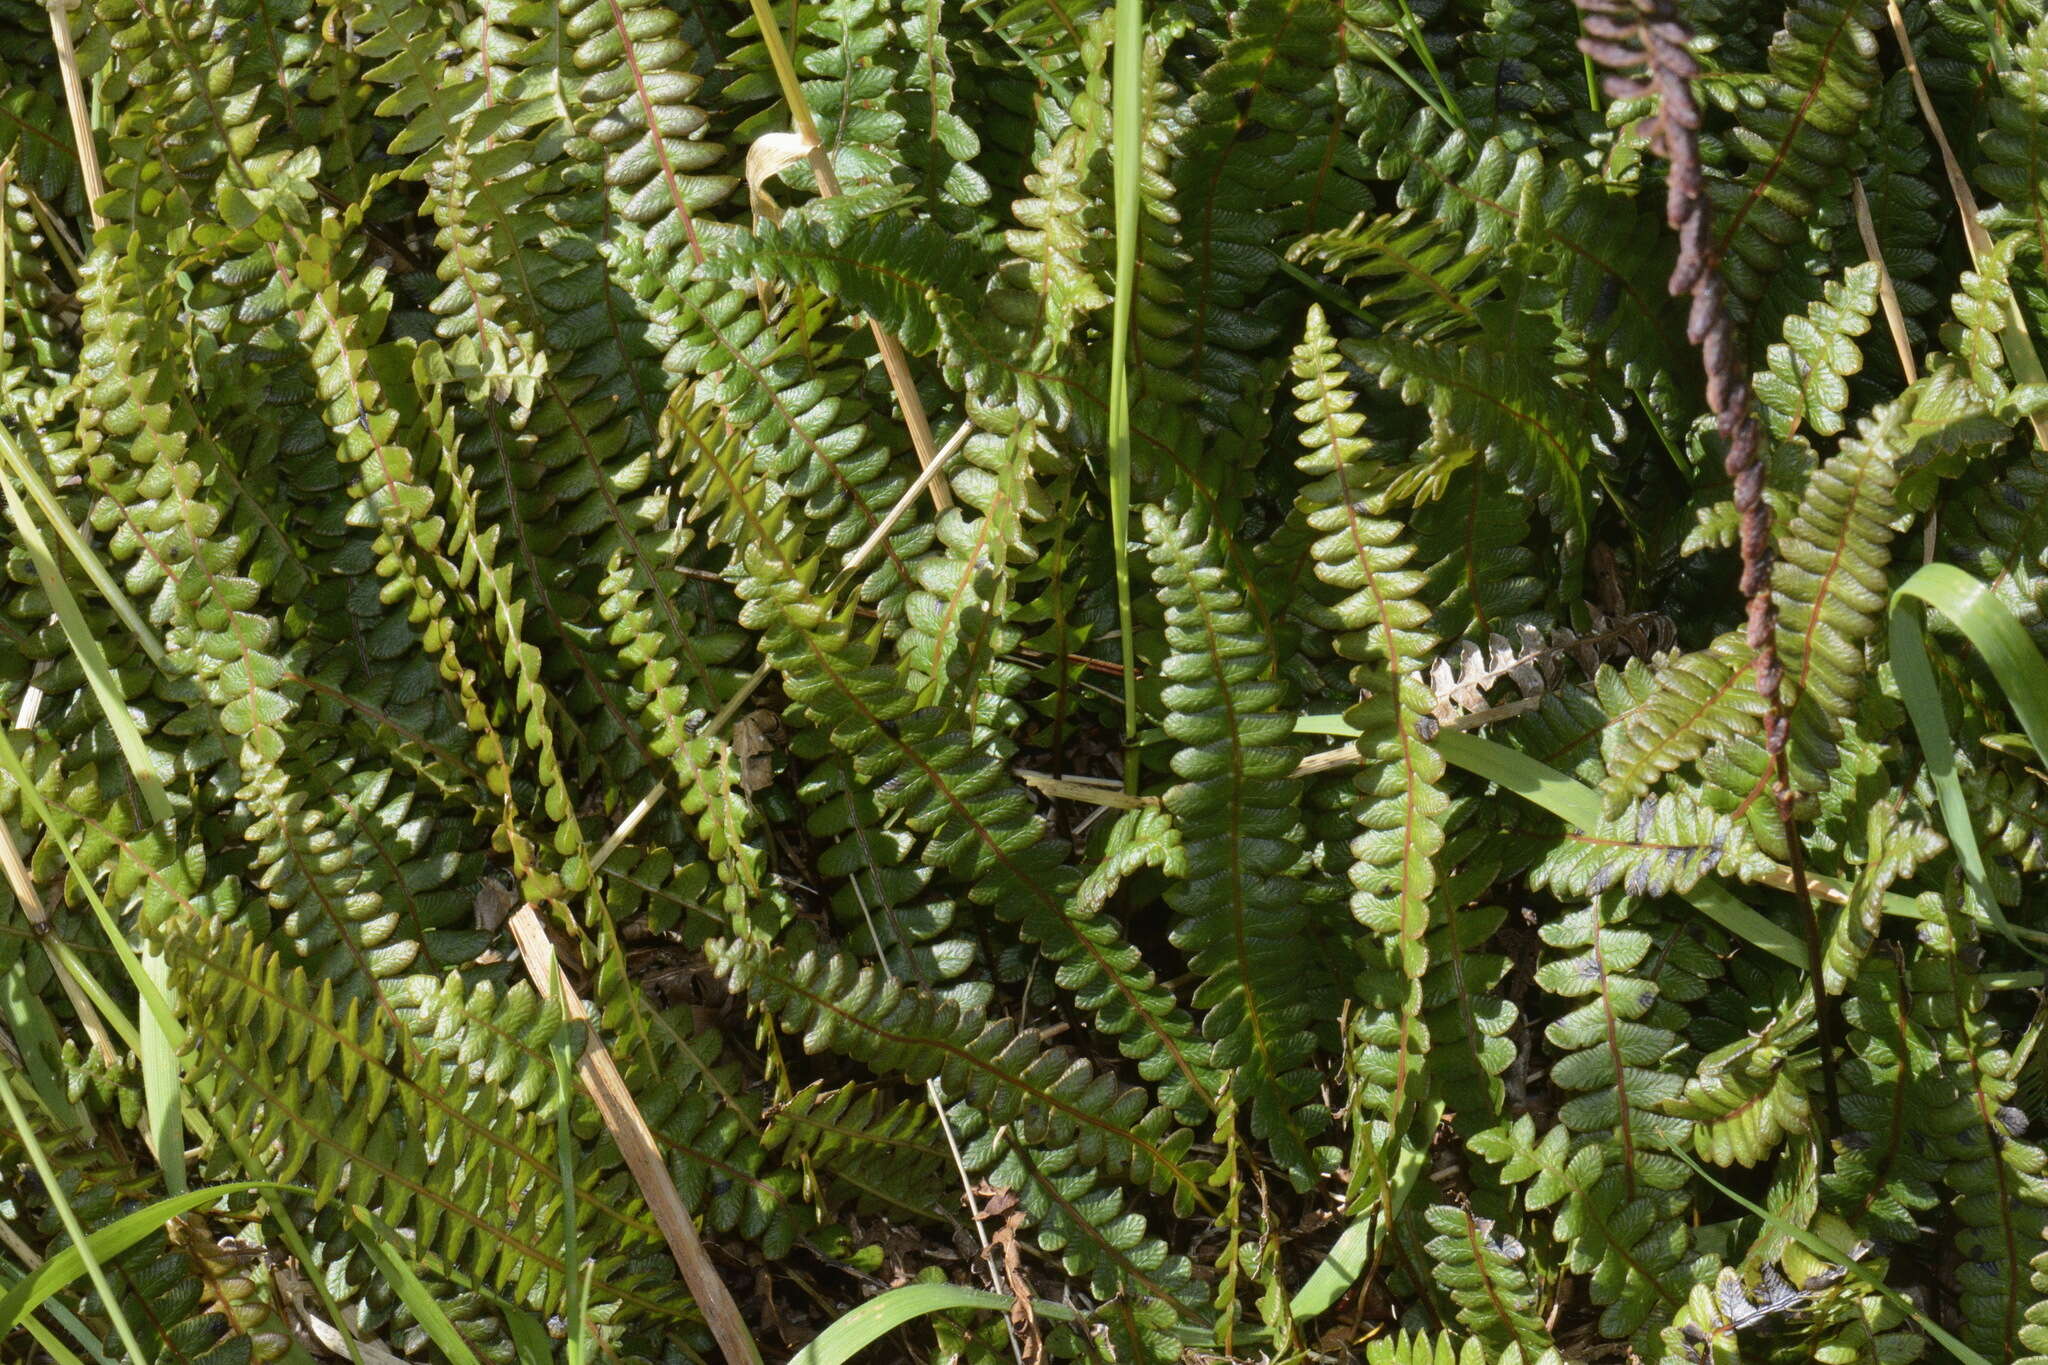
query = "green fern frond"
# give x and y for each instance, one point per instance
(1830, 576)
(1240, 911)
(1808, 371)
(1480, 1267)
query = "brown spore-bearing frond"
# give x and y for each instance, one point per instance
(1643, 43)
(1644, 46)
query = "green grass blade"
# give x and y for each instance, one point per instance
(560, 1052)
(383, 1247)
(88, 1257)
(39, 1043)
(160, 1078)
(46, 502)
(859, 1327)
(87, 1253)
(2015, 663)
(1126, 150)
(1579, 805)
(47, 1339)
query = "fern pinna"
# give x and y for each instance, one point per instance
(566, 786)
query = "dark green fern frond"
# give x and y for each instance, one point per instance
(1050, 1099)
(1240, 909)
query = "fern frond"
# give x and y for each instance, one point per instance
(1047, 1097)
(1830, 580)
(1533, 432)
(1807, 374)
(1479, 1266)
(1634, 1242)
(1698, 699)
(1399, 808)
(1240, 911)
(1821, 81)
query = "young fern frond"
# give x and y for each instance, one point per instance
(1400, 810)
(1806, 381)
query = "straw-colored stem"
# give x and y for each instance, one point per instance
(81, 117)
(894, 361)
(628, 1127)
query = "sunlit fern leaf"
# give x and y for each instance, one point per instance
(1893, 846)
(1830, 576)
(1401, 1348)
(1480, 1267)
(1631, 1235)
(1809, 370)
(1698, 698)
(1611, 1049)
(1398, 806)
(1663, 844)
(1748, 1097)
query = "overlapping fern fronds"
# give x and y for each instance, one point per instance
(564, 653)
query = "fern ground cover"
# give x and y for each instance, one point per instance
(1040, 680)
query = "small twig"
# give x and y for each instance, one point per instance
(1895, 323)
(954, 445)
(23, 1252)
(1887, 293)
(628, 1127)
